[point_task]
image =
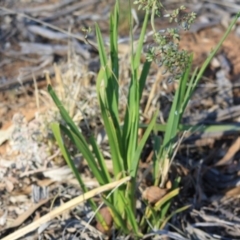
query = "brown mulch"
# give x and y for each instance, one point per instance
(44, 39)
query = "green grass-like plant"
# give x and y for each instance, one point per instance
(125, 147)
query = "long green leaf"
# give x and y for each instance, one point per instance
(81, 143)
(57, 134)
(212, 54)
(109, 77)
(114, 21)
(174, 213)
(120, 223)
(100, 159)
(166, 205)
(135, 160)
(201, 128)
(176, 111)
(87, 154)
(138, 53)
(143, 77)
(102, 54)
(131, 120)
(190, 89)
(113, 141)
(166, 198)
(65, 114)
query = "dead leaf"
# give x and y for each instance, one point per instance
(153, 194)
(230, 153)
(107, 216)
(233, 192)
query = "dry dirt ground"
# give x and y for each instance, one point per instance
(43, 41)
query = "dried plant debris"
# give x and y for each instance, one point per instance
(153, 194)
(43, 34)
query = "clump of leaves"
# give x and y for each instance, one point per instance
(125, 147)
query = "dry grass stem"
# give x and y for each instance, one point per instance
(65, 207)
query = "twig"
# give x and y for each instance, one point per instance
(80, 38)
